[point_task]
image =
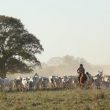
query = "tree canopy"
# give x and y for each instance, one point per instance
(18, 47)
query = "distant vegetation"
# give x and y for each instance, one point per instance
(68, 65)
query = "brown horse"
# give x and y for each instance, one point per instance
(82, 80)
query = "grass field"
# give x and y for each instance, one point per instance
(76, 99)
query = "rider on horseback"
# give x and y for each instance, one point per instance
(80, 71)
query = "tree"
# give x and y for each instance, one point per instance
(68, 60)
(18, 47)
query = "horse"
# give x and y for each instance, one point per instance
(86, 80)
(82, 79)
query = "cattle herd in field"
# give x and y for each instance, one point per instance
(37, 82)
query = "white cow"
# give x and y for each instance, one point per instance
(7, 84)
(69, 82)
(98, 80)
(55, 81)
(44, 82)
(90, 80)
(37, 82)
(105, 82)
(25, 84)
(18, 83)
(30, 83)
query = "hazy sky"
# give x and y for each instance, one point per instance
(75, 27)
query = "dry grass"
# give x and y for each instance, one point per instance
(56, 100)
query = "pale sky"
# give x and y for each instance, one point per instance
(80, 28)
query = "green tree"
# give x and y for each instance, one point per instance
(18, 47)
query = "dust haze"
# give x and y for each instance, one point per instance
(66, 65)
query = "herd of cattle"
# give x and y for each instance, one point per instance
(36, 82)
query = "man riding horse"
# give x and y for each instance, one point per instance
(85, 79)
(80, 71)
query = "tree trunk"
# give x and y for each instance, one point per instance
(2, 69)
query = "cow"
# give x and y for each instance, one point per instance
(25, 84)
(6, 84)
(98, 79)
(90, 80)
(55, 81)
(105, 82)
(44, 82)
(30, 83)
(37, 81)
(18, 83)
(69, 81)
